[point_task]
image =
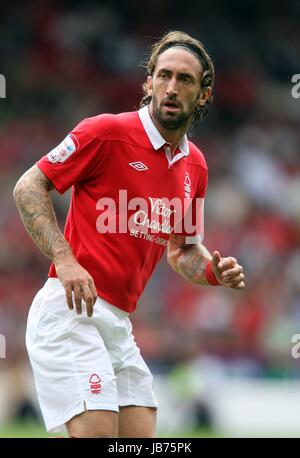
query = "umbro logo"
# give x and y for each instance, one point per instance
(138, 166)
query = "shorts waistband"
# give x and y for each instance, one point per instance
(54, 282)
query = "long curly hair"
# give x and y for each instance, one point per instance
(177, 38)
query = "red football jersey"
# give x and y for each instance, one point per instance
(118, 159)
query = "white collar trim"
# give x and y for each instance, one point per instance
(155, 137)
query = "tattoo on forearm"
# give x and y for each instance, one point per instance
(35, 206)
(192, 265)
(188, 260)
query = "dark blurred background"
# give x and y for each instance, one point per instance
(64, 61)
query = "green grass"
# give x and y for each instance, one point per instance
(37, 430)
(23, 430)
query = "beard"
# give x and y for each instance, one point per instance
(171, 120)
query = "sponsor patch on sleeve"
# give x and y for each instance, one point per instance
(64, 150)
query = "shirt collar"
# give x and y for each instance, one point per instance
(155, 137)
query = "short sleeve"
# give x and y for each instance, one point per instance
(75, 159)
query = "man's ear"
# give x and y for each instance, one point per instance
(204, 95)
(149, 85)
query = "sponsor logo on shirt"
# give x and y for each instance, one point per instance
(64, 150)
(159, 208)
(160, 216)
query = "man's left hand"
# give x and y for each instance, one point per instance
(228, 272)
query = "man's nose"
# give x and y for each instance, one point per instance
(172, 87)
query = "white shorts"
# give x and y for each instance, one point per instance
(82, 363)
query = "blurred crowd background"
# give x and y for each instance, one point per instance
(64, 61)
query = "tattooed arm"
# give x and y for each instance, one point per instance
(32, 197)
(190, 262)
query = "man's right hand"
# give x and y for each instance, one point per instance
(75, 278)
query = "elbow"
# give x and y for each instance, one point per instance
(16, 192)
(173, 261)
(170, 258)
(19, 190)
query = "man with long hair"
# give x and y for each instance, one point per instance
(89, 373)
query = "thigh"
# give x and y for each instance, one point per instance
(137, 421)
(72, 368)
(93, 424)
(134, 379)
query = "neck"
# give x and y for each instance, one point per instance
(172, 136)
